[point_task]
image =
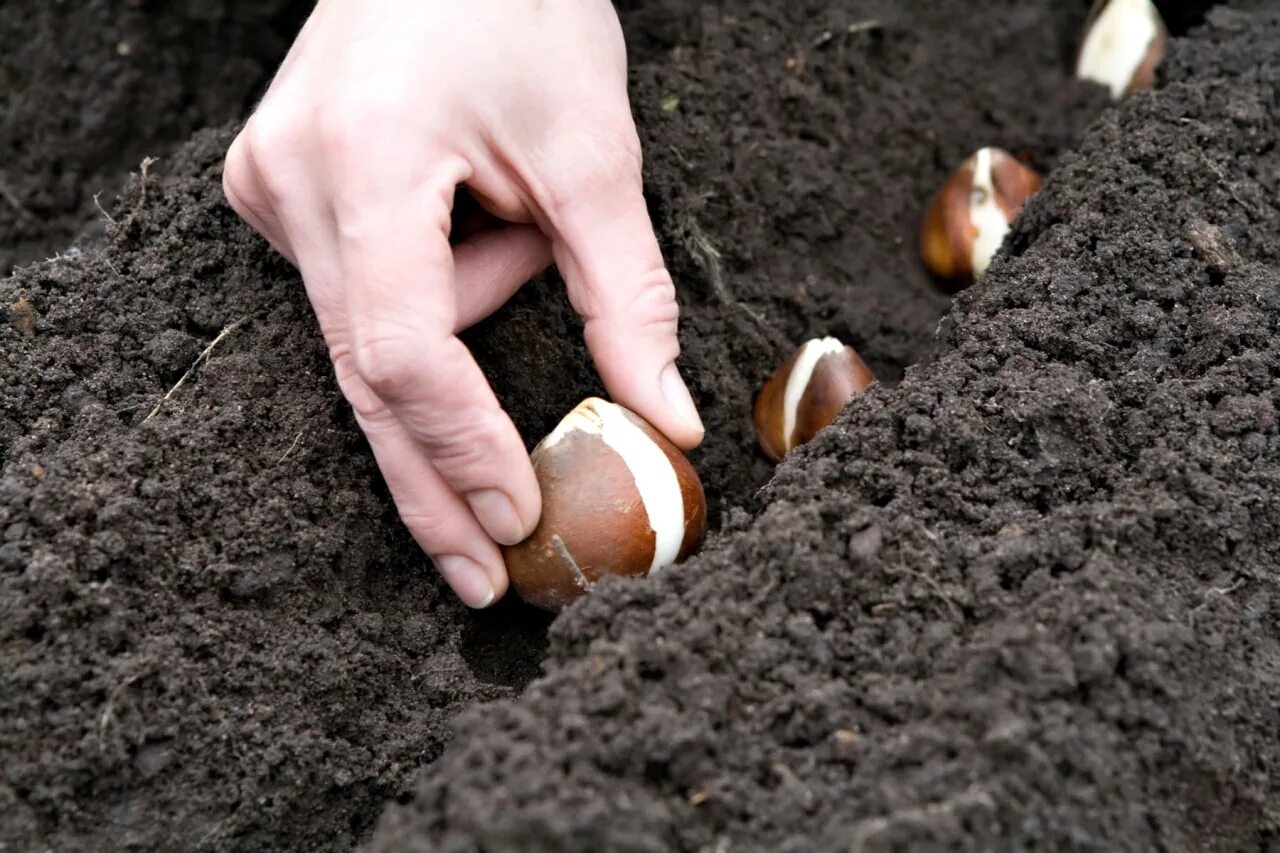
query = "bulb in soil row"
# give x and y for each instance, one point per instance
(806, 393)
(617, 498)
(1124, 41)
(969, 217)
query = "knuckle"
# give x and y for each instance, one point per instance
(387, 361)
(465, 447)
(371, 413)
(270, 145)
(648, 301)
(655, 298)
(271, 137)
(648, 314)
(430, 528)
(237, 177)
(242, 190)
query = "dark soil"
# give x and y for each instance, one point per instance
(1022, 598)
(87, 92)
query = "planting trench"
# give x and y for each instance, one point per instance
(1020, 595)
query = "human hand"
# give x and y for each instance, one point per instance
(349, 168)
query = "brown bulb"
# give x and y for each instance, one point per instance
(617, 498)
(970, 216)
(1124, 42)
(806, 393)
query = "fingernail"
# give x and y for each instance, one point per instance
(497, 515)
(677, 394)
(468, 579)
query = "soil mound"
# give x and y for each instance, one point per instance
(1024, 600)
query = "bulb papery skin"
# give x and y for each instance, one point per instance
(618, 498)
(971, 214)
(806, 393)
(1124, 42)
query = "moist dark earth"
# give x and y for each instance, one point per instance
(88, 89)
(1022, 595)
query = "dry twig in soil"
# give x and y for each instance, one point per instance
(195, 364)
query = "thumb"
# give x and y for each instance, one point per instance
(606, 251)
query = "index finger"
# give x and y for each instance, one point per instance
(401, 309)
(618, 282)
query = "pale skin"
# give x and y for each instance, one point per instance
(349, 168)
